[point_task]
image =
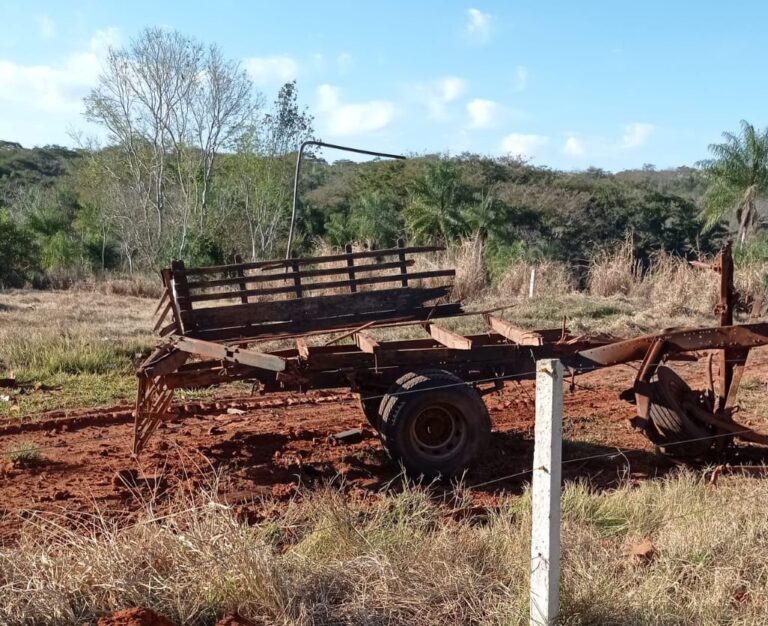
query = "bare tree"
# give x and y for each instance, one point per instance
(169, 106)
(260, 179)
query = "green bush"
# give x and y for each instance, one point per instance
(18, 255)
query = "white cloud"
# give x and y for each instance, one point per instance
(521, 78)
(451, 88)
(272, 69)
(46, 26)
(343, 119)
(344, 62)
(574, 147)
(478, 26)
(483, 113)
(636, 134)
(56, 88)
(440, 93)
(517, 144)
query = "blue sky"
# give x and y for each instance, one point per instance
(569, 84)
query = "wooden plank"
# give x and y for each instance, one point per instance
(166, 330)
(242, 356)
(317, 307)
(296, 278)
(289, 329)
(167, 275)
(162, 317)
(338, 360)
(241, 276)
(403, 357)
(365, 342)
(351, 266)
(331, 258)
(167, 363)
(162, 300)
(448, 338)
(318, 286)
(365, 268)
(302, 348)
(520, 336)
(180, 294)
(403, 262)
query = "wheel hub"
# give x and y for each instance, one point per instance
(437, 430)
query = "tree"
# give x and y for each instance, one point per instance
(258, 184)
(169, 105)
(374, 220)
(433, 213)
(738, 177)
(17, 254)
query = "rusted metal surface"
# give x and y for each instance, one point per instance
(208, 345)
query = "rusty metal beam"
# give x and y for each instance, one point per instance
(681, 340)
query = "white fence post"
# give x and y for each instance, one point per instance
(545, 493)
(532, 283)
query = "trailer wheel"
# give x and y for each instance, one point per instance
(433, 423)
(370, 407)
(679, 435)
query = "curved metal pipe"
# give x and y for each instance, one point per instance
(322, 144)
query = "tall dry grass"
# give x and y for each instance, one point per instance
(138, 285)
(551, 279)
(613, 272)
(406, 559)
(466, 256)
(671, 284)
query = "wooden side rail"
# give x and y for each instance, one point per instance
(331, 258)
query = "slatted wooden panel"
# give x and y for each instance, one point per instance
(349, 272)
(296, 295)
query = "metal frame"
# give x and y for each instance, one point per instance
(213, 345)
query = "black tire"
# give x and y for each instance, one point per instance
(370, 407)
(675, 429)
(433, 423)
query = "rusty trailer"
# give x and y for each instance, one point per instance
(251, 322)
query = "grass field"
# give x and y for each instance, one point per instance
(79, 348)
(70, 349)
(410, 558)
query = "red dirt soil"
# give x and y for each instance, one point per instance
(135, 617)
(266, 448)
(147, 617)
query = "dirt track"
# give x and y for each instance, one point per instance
(271, 445)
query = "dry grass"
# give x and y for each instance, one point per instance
(551, 279)
(465, 256)
(471, 277)
(25, 453)
(134, 285)
(405, 560)
(78, 349)
(673, 287)
(614, 272)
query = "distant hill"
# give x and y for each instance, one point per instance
(20, 166)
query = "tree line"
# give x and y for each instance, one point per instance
(197, 165)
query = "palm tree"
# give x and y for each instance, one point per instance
(433, 213)
(738, 174)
